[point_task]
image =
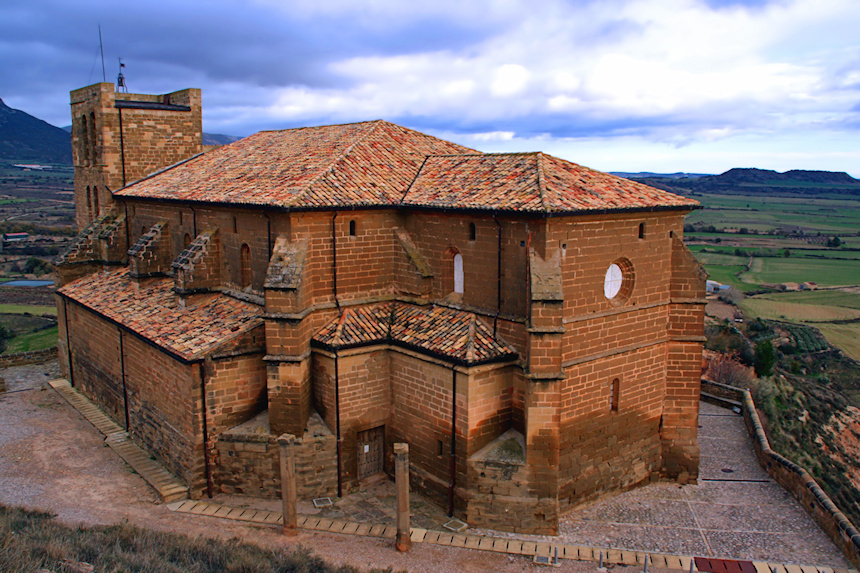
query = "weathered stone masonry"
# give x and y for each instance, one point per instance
(531, 328)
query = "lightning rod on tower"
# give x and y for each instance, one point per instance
(120, 79)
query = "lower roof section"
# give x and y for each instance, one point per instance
(151, 310)
(456, 336)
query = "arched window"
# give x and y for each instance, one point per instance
(246, 266)
(641, 230)
(613, 395)
(95, 200)
(473, 232)
(352, 228)
(458, 273)
(187, 240)
(235, 225)
(89, 199)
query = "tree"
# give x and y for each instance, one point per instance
(786, 253)
(765, 358)
(834, 242)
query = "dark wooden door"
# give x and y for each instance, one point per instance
(371, 452)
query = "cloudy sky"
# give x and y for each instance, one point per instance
(618, 85)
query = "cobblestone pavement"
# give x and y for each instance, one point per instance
(735, 511)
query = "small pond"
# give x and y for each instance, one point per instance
(28, 283)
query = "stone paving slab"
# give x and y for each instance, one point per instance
(737, 514)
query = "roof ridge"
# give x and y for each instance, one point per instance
(470, 345)
(338, 331)
(305, 127)
(411, 183)
(483, 154)
(541, 183)
(374, 126)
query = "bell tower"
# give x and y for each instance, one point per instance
(118, 138)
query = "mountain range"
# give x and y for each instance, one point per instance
(25, 138)
(29, 139)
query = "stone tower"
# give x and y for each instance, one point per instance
(118, 138)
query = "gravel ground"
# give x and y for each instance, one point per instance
(52, 459)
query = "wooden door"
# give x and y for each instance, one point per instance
(371, 452)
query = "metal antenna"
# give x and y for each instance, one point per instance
(120, 79)
(102, 49)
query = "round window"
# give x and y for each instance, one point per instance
(612, 283)
(618, 283)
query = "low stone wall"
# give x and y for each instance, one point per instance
(2, 384)
(791, 476)
(248, 463)
(22, 358)
(500, 499)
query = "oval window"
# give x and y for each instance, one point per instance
(612, 282)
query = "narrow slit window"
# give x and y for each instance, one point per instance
(458, 273)
(235, 226)
(473, 232)
(95, 200)
(352, 228)
(641, 230)
(613, 395)
(246, 266)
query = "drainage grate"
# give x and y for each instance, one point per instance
(456, 525)
(322, 502)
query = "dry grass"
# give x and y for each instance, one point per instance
(843, 336)
(798, 312)
(31, 541)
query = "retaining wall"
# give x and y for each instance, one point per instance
(22, 358)
(789, 475)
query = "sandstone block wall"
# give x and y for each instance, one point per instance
(112, 147)
(248, 463)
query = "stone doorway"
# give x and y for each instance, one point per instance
(371, 452)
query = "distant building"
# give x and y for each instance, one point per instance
(809, 285)
(15, 237)
(712, 287)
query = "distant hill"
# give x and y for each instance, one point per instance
(27, 138)
(649, 174)
(759, 182)
(218, 139)
(208, 138)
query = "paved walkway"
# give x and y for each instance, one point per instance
(735, 512)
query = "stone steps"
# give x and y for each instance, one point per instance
(169, 488)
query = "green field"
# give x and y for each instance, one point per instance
(826, 214)
(27, 309)
(788, 269)
(835, 298)
(828, 311)
(33, 341)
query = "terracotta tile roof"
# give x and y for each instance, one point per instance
(531, 182)
(381, 164)
(446, 333)
(153, 312)
(368, 163)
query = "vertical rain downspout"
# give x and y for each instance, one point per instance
(193, 221)
(121, 146)
(122, 372)
(68, 345)
(453, 476)
(337, 429)
(498, 277)
(209, 485)
(336, 381)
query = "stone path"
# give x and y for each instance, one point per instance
(165, 483)
(735, 512)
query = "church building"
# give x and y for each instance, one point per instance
(532, 328)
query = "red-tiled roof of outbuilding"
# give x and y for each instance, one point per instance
(380, 164)
(438, 331)
(152, 311)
